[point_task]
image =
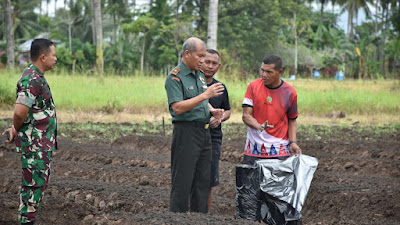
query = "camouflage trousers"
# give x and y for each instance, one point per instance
(35, 176)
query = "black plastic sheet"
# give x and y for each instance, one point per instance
(273, 190)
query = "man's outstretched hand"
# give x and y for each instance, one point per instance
(218, 114)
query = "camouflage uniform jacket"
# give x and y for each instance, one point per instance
(39, 131)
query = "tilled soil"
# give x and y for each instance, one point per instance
(127, 180)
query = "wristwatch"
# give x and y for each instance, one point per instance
(291, 142)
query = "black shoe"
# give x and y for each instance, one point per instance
(29, 223)
(294, 222)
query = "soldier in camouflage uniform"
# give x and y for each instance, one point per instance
(34, 129)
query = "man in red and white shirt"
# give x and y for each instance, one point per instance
(270, 112)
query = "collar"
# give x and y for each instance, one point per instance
(275, 87)
(185, 70)
(33, 67)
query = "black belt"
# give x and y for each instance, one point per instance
(193, 124)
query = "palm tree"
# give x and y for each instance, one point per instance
(69, 18)
(323, 3)
(10, 38)
(352, 7)
(55, 7)
(24, 20)
(212, 25)
(297, 30)
(47, 8)
(116, 8)
(99, 35)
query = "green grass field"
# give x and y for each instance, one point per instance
(138, 93)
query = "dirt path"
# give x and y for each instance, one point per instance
(128, 181)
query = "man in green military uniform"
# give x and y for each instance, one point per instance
(34, 129)
(191, 142)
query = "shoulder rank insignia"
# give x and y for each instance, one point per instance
(175, 71)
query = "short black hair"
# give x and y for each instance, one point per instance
(273, 59)
(40, 46)
(212, 51)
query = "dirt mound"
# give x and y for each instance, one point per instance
(127, 180)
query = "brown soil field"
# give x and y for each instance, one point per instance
(126, 179)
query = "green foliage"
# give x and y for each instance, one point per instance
(78, 17)
(64, 57)
(25, 25)
(141, 25)
(122, 57)
(242, 29)
(153, 32)
(395, 20)
(392, 50)
(83, 53)
(167, 56)
(44, 21)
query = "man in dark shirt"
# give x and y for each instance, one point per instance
(210, 68)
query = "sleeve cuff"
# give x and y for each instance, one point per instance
(25, 100)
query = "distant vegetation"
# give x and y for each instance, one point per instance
(139, 92)
(147, 35)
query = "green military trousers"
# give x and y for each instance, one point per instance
(190, 167)
(35, 177)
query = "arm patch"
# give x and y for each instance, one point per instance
(175, 78)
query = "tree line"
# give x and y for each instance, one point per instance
(123, 36)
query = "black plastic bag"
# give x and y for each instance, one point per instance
(248, 192)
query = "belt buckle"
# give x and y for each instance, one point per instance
(206, 126)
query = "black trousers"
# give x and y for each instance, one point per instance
(190, 167)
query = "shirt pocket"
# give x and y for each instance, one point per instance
(190, 91)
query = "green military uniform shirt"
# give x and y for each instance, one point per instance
(39, 131)
(182, 84)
